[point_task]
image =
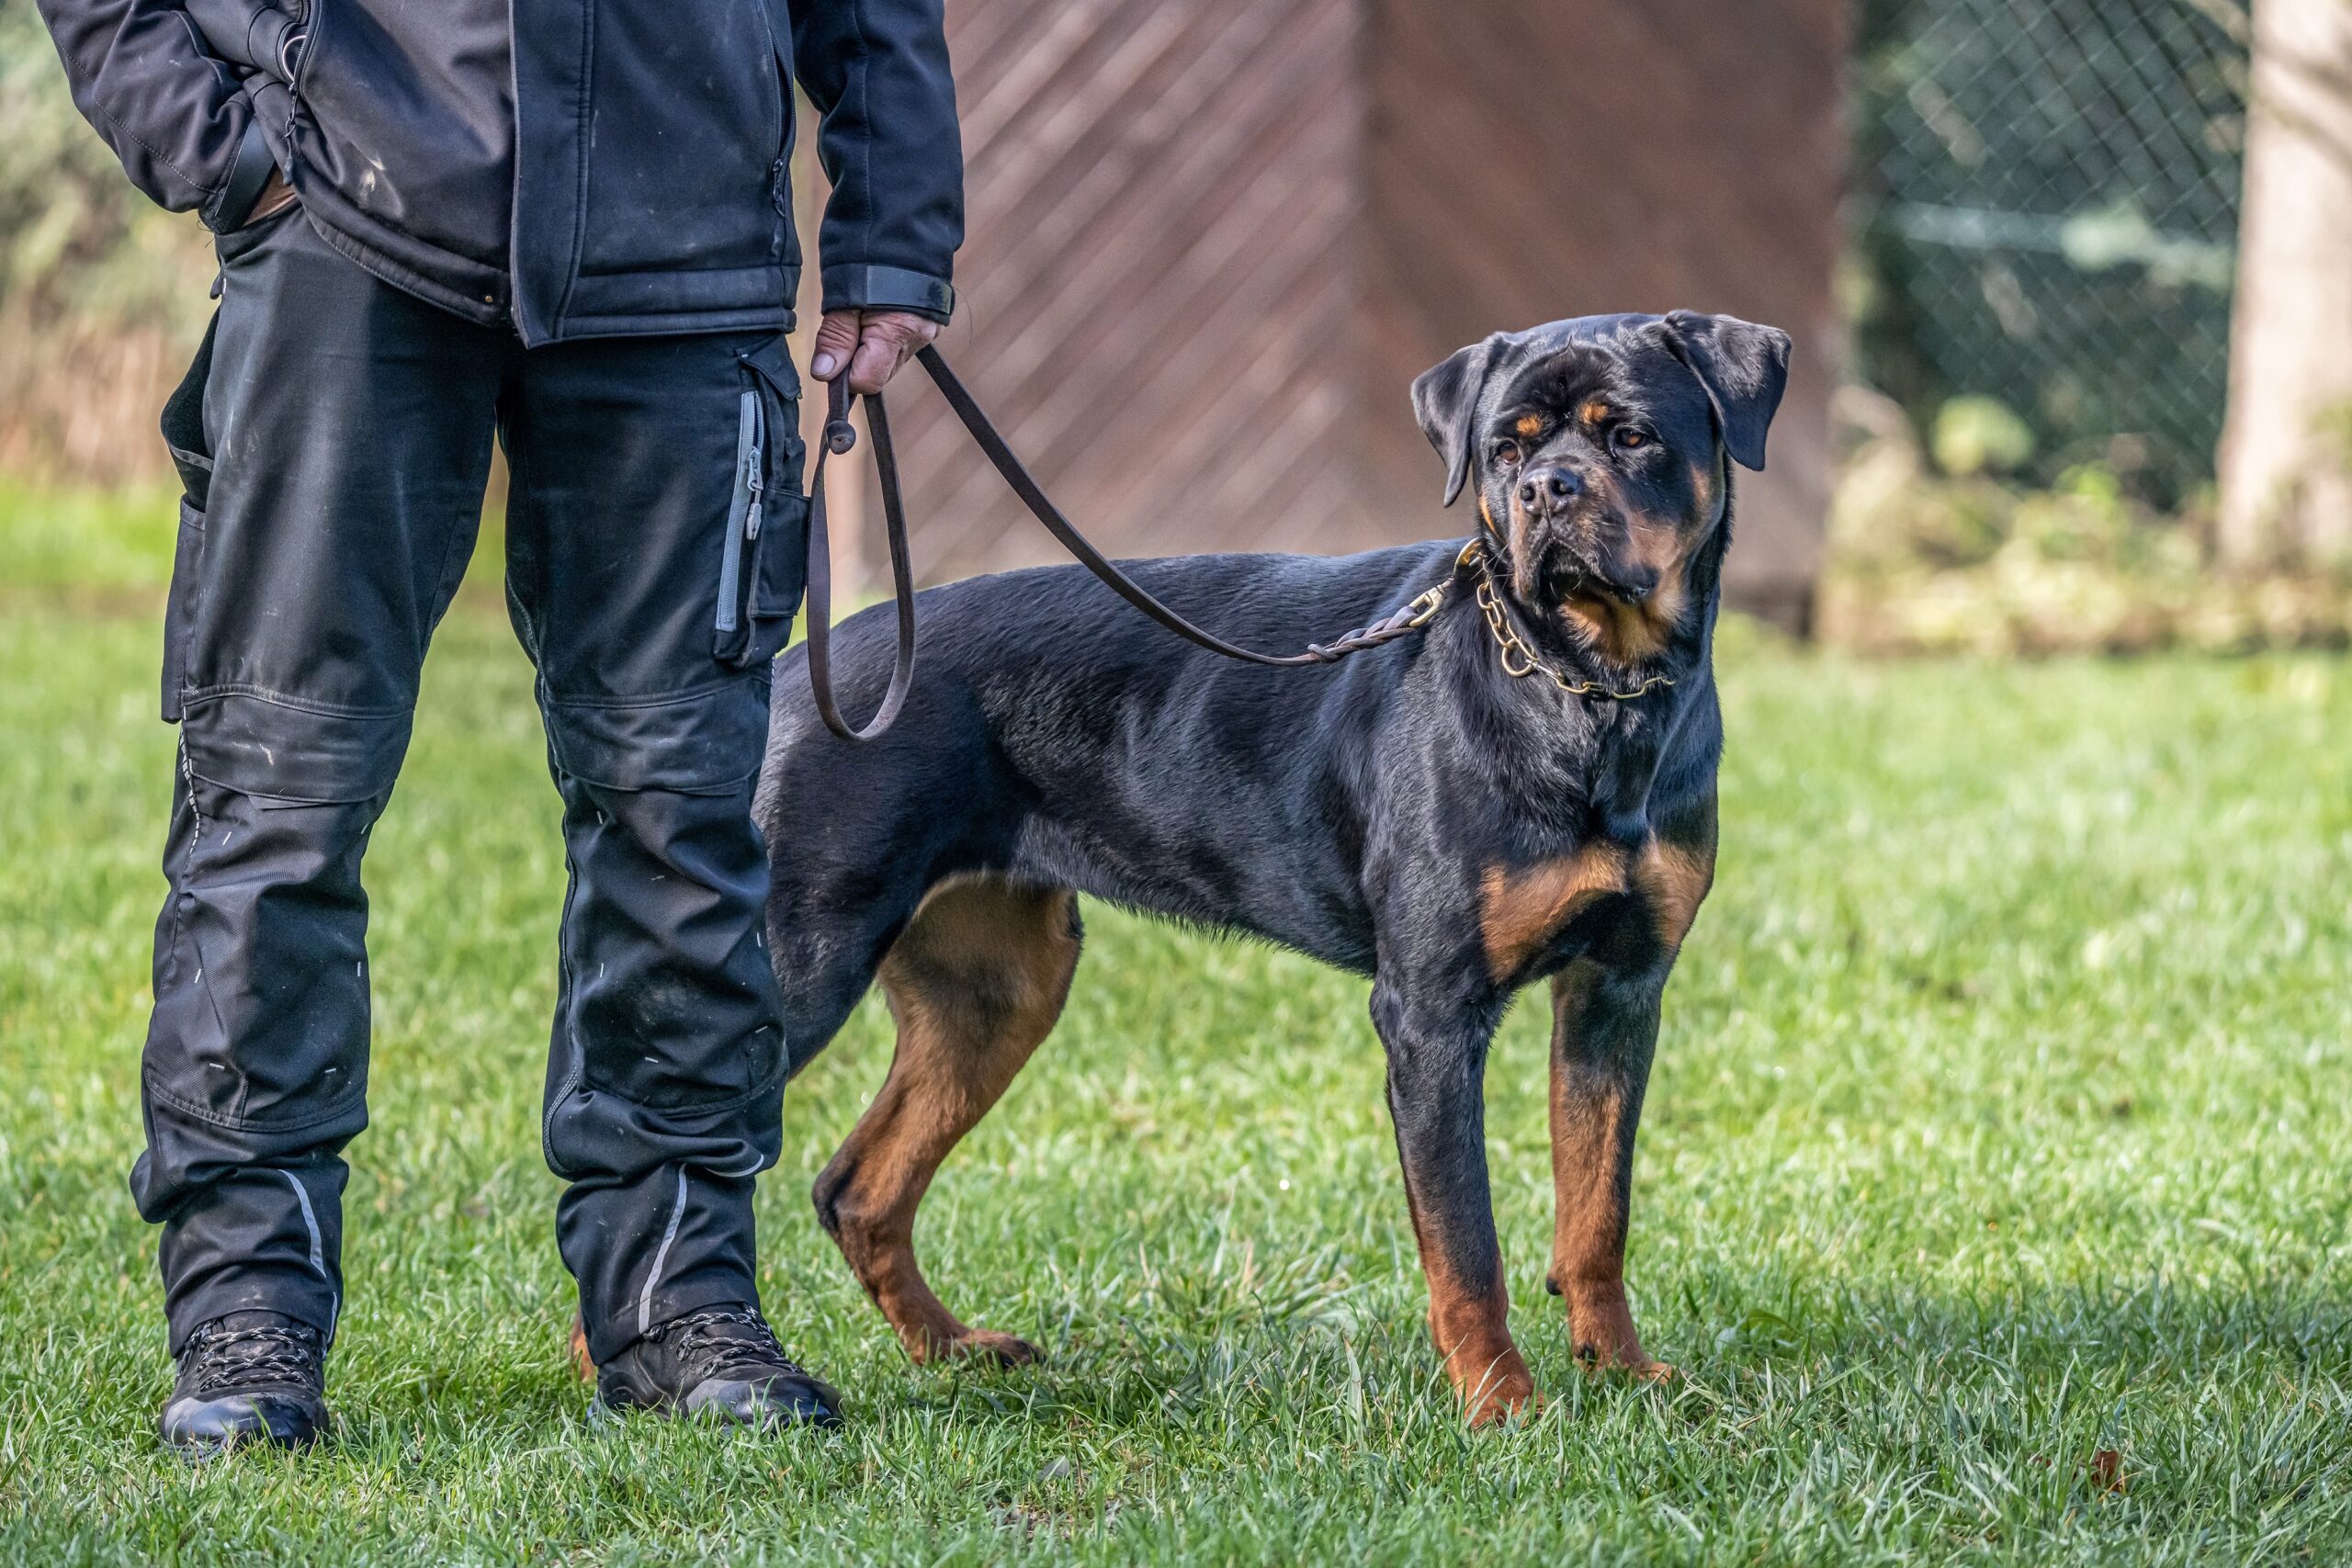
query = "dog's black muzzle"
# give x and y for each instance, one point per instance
(1574, 544)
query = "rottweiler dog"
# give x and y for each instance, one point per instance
(1523, 790)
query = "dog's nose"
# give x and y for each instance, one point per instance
(1545, 492)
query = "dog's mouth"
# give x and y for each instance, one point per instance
(1563, 567)
(1588, 581)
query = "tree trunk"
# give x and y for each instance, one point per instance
(2286, 457)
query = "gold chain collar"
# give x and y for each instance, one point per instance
(1518, 659)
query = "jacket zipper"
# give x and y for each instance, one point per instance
(305, 20)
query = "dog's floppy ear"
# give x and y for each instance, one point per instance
(1745, 368)
(1445, 399)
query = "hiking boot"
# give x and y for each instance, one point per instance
(251, 1377)
(722, 1363)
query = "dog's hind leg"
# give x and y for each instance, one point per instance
(975, 981)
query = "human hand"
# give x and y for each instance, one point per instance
(871, 345)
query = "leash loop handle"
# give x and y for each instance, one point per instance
(840, 436)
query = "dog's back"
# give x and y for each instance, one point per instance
(1054, 737)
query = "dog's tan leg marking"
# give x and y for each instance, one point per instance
(975, 981)
(1595, 1109)
(1674, 879)
(577, 1346)
(1522, 910)
(1472, 1332)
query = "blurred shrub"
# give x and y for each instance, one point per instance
(102, 295)
(1944, 558)
(1981, 436)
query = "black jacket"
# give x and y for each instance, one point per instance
(608, 167)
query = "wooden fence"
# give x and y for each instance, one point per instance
(1213, 241)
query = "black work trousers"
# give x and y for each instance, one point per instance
(336, 441)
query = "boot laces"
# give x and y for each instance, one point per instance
(231, 1359)
(729, 1338)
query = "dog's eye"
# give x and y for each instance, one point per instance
(1630, 438)
(1506, 452)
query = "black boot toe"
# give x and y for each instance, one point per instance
(784, 1400)
(719, 1363)
(237, 1420)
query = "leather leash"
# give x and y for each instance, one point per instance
(840, 436)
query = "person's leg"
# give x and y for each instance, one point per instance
(667, 1062)
(347, 430)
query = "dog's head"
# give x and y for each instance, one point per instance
(1595, 449)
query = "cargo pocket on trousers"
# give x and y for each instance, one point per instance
(179, 609)
(764, 563)
(183, 424)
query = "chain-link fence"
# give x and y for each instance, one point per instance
(2048, 216)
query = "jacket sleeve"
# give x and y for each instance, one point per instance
(878, 72)
(177, 117)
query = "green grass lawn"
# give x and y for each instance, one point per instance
(2003, 1118)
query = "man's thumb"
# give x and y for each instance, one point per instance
(836, 341)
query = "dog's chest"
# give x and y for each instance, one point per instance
(1582, 855)
(1642, 896)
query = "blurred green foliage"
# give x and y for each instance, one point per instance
(75, 239)
(1956, 555)
(1980, 434)
(81, 542)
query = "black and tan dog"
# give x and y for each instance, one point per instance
(1524, 790)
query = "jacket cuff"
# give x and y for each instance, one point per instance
(247, 174)
(859, 288)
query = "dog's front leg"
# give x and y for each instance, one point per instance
(1437, 1058)
(1604, 1032)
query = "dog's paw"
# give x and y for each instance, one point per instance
(987, 1347)
(990, 1348)
(1493, 1409)
(1630, 1363)
(1501, 1389)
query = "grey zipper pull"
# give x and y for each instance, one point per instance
(758, 487)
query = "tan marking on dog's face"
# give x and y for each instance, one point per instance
(1593, 412)
(1520, 909)
(1629, 634)
(1530, 425)
(1673, 879)
(1702, 492)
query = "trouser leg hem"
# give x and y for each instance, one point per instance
(304, 1298)
(612, 1335)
